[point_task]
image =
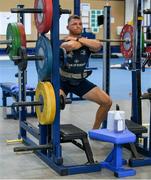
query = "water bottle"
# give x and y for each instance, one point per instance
(119, 122)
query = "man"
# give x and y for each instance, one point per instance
(73, 74)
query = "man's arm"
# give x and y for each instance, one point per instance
(93, 44)
(71, 45)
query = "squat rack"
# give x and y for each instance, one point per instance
(49, 148)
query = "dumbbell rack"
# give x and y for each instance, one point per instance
(49, 148)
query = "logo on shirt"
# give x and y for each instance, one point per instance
(83, 52)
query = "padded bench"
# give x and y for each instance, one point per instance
(114, 160)
(10, 89)
(71, 133)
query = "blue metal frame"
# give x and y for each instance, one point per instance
(22, 77)
(47, 134)
(136, 65)
(106, 53)
(77, 7)
(114, 162)
(136, 85)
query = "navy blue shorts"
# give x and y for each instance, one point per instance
(79, 88)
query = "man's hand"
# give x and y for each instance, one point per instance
(70, 38)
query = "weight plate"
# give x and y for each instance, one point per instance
(148, 51)
(43, 20)
(46, 95)
(44, 68)
(13, 35)
(22, 34)
(127, 48)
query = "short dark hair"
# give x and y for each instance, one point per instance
(73, 17)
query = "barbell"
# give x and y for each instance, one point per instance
(15, 38)
(16, 46)
(45, 103)
(22, 59)
(115, 40)
(16, 41)
(43, 13)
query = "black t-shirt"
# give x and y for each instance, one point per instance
(76, 60)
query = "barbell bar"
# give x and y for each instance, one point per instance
(63, 101)
(33, 10)
(147, 41)
(115, 40)
(43, 13)
(33, 148)
(26, 10)
(9, 42)
(21, 60)
(28, 58)
(147, 11)
(101, 40)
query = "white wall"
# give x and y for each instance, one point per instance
(129, 8)
(147, 5)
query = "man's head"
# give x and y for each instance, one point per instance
(74, 25)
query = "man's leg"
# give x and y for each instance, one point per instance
(100, 97)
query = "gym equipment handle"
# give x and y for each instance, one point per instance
(115, 40)
(33, 148)
(65, 11)
(10, 41)
(26, 10)
(6, 42)
(147, 11)
(28, 58)
(147, 41)
(24, 104)
(68, 101)
(35, 103)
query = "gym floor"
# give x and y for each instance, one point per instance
(79, 113)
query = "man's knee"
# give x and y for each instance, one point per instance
(107, 102)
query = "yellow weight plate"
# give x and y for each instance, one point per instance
(45, 94)
(52, 99)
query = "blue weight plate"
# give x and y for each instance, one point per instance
(44, 68)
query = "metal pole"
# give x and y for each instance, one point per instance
(106, 50)
(22, 80)
(136, 64)
(77, 7)
(55, 133)
(106, 53)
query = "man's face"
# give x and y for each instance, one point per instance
(75, 26)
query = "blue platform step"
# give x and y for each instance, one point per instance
(114, 160)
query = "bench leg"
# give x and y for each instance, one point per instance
(114, 163)
(4, 103)
(88, 150)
